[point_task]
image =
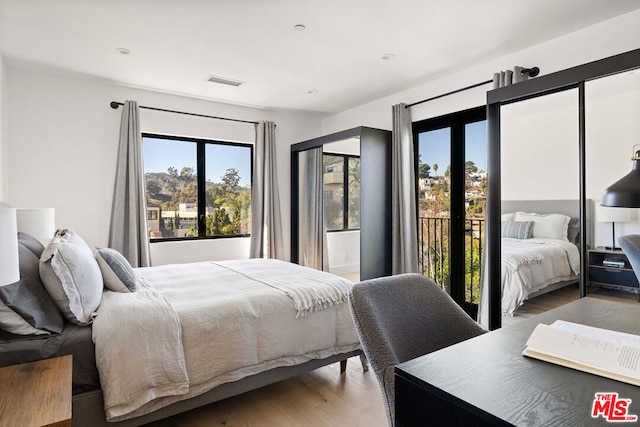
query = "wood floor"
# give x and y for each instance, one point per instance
(325, 398)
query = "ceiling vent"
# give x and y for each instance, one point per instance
(224, 81)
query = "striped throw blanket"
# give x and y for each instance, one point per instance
(311, 290)
(515, 254)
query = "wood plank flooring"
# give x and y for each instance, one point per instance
(325, 398)
(319, 398)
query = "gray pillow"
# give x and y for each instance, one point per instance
(517, 229)
(71, 276)
(31, 243)
(29, 299)
(117, 273)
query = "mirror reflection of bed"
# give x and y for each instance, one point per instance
(540, 176)
(540, 249)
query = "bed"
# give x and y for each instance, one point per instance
(189, 335)
(539, 248)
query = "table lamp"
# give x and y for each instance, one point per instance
(37, 222)
(9, 265)
(625, 192)
(612, 215)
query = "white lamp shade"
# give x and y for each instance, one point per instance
(37, 222)
(612, 214)
(9, 267)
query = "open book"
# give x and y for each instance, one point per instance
(610, 354)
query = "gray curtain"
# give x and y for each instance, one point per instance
(128, 232)
(266, 222)
(509, 77)
(404, 235)
(313, 233)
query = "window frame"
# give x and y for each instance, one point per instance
(201, 144)
(345, 190)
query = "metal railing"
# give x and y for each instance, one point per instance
(434, 236)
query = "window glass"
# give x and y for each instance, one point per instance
(228, 190)
(172, 190)
(171, 187)
(341, 183)
(354, 192)
(333, 183)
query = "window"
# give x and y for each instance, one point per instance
(196, 188)
(341, 183)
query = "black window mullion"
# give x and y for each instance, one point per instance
(345, 191)
(201, 179)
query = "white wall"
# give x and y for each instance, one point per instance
(609, 147)
(608, 38)
(344, 251)
(63, 138)
(4, 148)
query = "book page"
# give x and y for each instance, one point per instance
(597, 348)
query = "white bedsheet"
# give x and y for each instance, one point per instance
(232, 326)
(549, 261)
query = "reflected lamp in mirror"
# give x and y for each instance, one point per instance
(37, 222)
(9, 266)
(625, 192)
(612, 215)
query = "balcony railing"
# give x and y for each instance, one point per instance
(434, 235)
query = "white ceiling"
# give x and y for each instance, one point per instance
(175, 45)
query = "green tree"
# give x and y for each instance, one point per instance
(424, 170)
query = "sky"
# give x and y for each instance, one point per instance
(434, 147)
(160, 154)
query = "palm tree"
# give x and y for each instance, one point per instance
(435, 168)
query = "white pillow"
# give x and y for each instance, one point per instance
(547, 226)
(508, 217)
(72, 277)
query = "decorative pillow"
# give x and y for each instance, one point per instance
(508, 217)
(28, 297)
(71, 275)
(548, 226)
(517, 229)
(573, 230)
(31, 243)
(117, 273)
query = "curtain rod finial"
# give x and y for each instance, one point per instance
(114, 105)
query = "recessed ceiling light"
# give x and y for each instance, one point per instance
(224, 80)
(123, 50)
(388, 56)
(299, 27)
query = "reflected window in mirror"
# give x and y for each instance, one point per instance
(341, 190)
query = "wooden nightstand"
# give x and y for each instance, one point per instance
(611, 267)
(36, 393)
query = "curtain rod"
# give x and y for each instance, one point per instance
(115, 105)
(531, 72)
(450, 93)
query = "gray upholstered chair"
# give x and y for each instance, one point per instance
(630, 244)
(402, 317)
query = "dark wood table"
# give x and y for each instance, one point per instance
(487, 381)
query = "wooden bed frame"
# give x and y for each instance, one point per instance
(88, 407)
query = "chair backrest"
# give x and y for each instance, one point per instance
(402, 317)
(630, 244)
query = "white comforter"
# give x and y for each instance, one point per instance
(531, 264)
(195, 326)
